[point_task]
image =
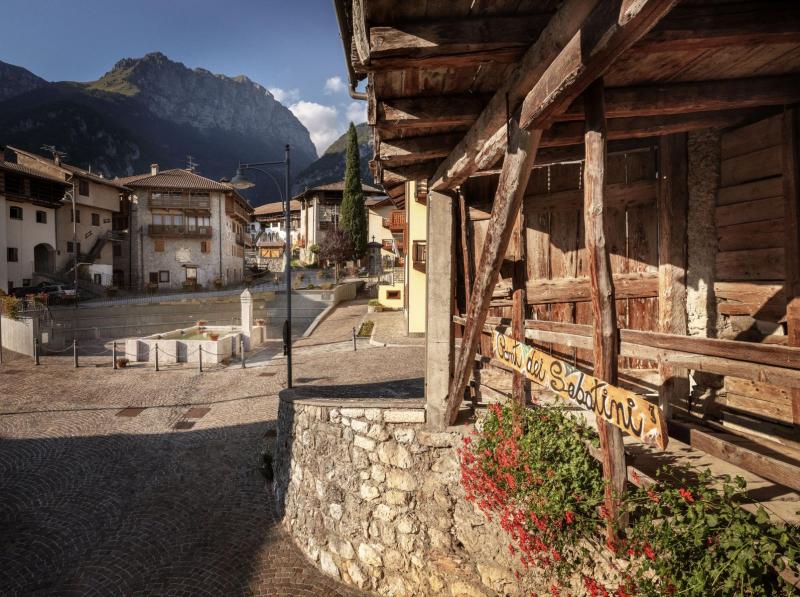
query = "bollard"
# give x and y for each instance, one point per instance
(241, 349)
(75, 353)
(156, 357)
(36, 351)
(354, 340)
(200, 359)
(114, 356)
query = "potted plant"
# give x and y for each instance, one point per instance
(201, 323)
(122, 362)
(261, 322)
(213, 336)
(374, 306)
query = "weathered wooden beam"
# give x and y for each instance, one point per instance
(616, 195)
(605, 333)
(403, 152)
(791, 232)
(508, 198)
(360, 33)
(503, 40)
(399, 174)
(695, 96)
(425, 112)
(578, 290)
(440, 293)
(579, 43)
(520, 385)
(717, 25)
(466, 246)
(673, 205)
(569, 133)
(454, 42)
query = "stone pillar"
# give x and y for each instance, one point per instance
(440, 289)
(247, 316)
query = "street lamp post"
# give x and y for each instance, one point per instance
(240, 181)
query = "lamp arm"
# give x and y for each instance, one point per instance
(275, 180)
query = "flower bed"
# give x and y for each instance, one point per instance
(531, 470)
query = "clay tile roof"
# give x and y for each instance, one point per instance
(339, 187)
(377, 201)
(176, 178)
(11, 167)
(276, 208)
(67, 168)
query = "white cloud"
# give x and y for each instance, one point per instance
(285, 96)
(334, 85)
(356, 112)
(321, 121)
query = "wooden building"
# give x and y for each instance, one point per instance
(617, 179)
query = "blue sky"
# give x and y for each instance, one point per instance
(291, 47)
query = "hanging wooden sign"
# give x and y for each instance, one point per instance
(628, 411)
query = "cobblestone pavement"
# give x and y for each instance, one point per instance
(134, 482)
(390, 328)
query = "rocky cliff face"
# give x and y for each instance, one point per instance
(205, 100)
(152, 109)
(15, 80)
(330, 167)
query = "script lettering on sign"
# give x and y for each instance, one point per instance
(628, 411)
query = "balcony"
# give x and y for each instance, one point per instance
(163, 230)
(396, 222)
(235, 210)
(420, 255)
(171, 201)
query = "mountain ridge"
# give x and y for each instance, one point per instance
(151, 109)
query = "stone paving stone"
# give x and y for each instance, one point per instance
(95, 503)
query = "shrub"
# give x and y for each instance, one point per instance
(10, 306)
(122, 362)
(530, 469)
(374, 303)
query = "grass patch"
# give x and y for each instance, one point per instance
(366, 329)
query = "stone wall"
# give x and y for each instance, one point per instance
(374, 499)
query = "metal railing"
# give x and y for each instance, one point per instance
(179, 231)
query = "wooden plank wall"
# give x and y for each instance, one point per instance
(750, 264)
(556, 247)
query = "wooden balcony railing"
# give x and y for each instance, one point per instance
(179, 202)
(162, 230)
(396, 222)
(233, 209)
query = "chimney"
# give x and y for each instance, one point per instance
(153, 169)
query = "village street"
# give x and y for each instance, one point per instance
(139, 482)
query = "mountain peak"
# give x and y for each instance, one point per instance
(15, 80)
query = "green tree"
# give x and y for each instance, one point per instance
(353, 218)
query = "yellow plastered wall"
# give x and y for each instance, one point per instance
(383, 291)
(417, 218)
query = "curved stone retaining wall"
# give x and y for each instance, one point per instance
(374, 499)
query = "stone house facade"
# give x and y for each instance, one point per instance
(182, 230)
(320, 207)
(29, 202)
(96, 203)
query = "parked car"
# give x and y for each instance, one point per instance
(59, 293)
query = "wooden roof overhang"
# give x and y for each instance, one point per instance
(443, 75)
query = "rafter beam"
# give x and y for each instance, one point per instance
(503, 40)
(424, 112)
(579, 43)
(405, 152)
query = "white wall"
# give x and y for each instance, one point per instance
(24, 235)
(3, 264)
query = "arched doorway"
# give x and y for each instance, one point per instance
(44, 258)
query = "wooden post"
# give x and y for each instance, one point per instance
(520, 386)
(466, 249)
(791, 194)
(605, 334)
(440, 290)
(673, 206)
(514, 176)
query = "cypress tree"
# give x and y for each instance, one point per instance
(353, 218)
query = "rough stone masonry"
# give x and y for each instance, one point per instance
(374, 499)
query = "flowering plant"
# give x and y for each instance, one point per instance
(530, 470)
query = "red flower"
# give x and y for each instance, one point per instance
(569, 516)
(686, 495)
(653, 496)
(649, 552)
